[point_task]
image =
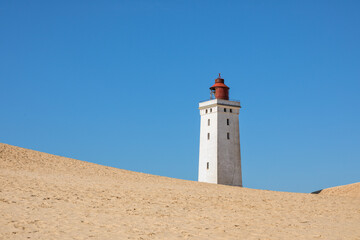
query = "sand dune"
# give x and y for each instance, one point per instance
(350, 190)
(43, 196)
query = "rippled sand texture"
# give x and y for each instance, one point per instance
(351, 190)
(43, 196)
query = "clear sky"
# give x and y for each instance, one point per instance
(118, 83)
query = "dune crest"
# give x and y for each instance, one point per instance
(349, 190)
(43, 196)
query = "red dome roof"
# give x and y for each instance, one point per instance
(219, 89)
(219, 85)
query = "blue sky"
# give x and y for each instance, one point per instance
(118, 83)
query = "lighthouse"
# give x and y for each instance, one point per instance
(219, 154)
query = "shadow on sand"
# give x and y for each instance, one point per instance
(317, 192)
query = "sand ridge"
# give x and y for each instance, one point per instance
(43, 196)
(350, 190)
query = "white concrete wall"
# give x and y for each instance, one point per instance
(229, 159)
(208, 147)
(222, 154)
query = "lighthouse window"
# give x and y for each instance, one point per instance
(210, 109)
(208, 136)
(208, 122)
(207, 165)
(206, 111)
(227, 121)
(228, 135)
(224, 109)
(231, 110)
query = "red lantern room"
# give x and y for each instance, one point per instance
(219, 90)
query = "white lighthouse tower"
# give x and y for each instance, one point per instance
(219, 156)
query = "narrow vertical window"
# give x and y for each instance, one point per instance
(228, 135)
(208, 136)
(231, 110)
(206, 111)
(224, 109)
(207, 165)
(227, 121)
(210, 109)
(209, 122)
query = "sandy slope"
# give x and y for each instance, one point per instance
(43, 196)
(350, 190)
